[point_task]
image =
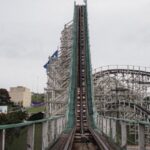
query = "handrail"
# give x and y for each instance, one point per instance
(89, 80)
(26, 123)
(71, 92)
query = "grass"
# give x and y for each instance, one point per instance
(32, 110)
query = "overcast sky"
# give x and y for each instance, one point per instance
(30, 32)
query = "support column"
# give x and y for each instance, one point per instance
(123, 135)
(58, 126)
(2, 139)
(63, 123)
(55, 129)
(52, 130)
(102, 127)
(61, 129)
(113, 127)
(45, 142)
(30, 137)
(98, 121)
(106, 122)
(106, 126)
(141, 137)
(110, 127)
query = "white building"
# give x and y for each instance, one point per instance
(3, 109)
(20, 95)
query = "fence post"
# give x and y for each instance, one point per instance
(141, 137)
(30, 137)
(102, 127)
(110, 128)
(55, 129)
(106, 126)
(123, 135)
(113, 127)
(2, 139)
(45, 143)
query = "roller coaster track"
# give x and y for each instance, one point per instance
(82, 134)
(143, 110)
(115, 71)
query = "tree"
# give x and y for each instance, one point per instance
(15, 113)
(37, 97)
(4, 97)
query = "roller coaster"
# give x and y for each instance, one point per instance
(81, 134)
(119, 91)
(104, 109)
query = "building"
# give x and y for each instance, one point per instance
(3, 109)
(20, 95)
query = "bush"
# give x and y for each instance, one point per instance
(14, 117)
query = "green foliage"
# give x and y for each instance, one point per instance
(4, 97)
(14, 117)
(36, 116)
(37, 97)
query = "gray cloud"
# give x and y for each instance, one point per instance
(30, 31)
(120, 32)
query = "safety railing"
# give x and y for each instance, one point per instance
(32, 135)
(126, 133)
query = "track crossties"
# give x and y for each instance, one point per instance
(82, 136)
